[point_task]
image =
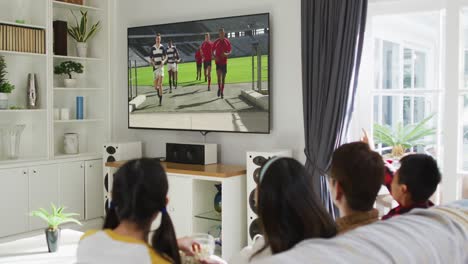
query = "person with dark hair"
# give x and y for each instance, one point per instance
(221, 50)
(198, 61)
(356, 176)
(414, 183)
(288, 209)
(139, 192)
(158, 58)
(207, 55)
(172, 59)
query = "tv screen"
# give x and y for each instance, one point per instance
(205, 75)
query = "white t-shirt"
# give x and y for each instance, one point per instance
(246, 253)
(106, 247)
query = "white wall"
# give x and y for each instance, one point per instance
(287, 118)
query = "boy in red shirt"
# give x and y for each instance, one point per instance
(198, 60)
(221, 50)
(206, 51)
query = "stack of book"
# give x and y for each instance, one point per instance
(22, 39)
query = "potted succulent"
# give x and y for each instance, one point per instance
(67, 68)
(54, 220)
(81, 33)
(5, 87)
(403, 137)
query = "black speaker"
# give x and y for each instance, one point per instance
(200, 154)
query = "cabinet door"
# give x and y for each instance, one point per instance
(94, 190)
(43, 190)
(72, 187)
(180, 204)
(14, 201)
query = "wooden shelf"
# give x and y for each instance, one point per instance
(77, 121)
(76, 58)
(211, 170)
(21, 25)
(64, 89)
(22, 53)
(59, 4)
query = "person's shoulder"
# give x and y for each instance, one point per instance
(88, 233)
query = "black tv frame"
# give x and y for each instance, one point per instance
(204, 132)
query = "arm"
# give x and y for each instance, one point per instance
(228, 50)
(164, 57)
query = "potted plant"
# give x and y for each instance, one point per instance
(403, 137)
(67, 68)
(54, 220)
(5, 86)
(81, 33)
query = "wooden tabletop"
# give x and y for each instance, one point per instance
(211, 170)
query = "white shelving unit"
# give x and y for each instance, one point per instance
(43, 136)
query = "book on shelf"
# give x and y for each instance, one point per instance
(22, 39)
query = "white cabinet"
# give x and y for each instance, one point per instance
(180, 204)
(72, 187)
(43, 190)
(94, 189)
(13, 201)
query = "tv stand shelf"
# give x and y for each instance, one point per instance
(191, 201)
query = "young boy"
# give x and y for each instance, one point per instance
(413, 183)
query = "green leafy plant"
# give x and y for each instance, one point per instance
(403, 137)
(80, 31)
(5, 86)
(56, 217)
(68, 67)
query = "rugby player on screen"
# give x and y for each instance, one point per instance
(221, 50)
(206, 52)
(158, 57)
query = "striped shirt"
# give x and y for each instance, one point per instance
(158, 54)
(172, 54)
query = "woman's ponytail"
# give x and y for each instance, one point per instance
(111, 220)
(164, 239)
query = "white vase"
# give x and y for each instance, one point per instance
(3, 101)
(82, 49)
(70, 83)
(70, 143)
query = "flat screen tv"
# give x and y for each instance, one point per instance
(205, 75)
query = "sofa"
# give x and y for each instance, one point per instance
(436, 235)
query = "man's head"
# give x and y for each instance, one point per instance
(416, 179)
(158, 39)
(207, 36)
(171, 43)
(221, 33)
(357, 174)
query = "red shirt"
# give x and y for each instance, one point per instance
(198, 57)
(207, 50)
(221, 46)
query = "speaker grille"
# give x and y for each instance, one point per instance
(253, 202)
(111, 150)
(254, 228)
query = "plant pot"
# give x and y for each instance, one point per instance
(3, 101)
(53, 239)
(217, 199)
(70, 83)
(82, 49)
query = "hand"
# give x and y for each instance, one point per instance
(210, 261)
(187, 245)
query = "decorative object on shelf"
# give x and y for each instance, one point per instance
(79, 107)
(217, 199)
(67, 68)
(60, 37)
(403, 137)
(22, 39)
(64, 114)
(5, 87)
(81, 33)
(70, 143)
(11, 139)
(32, 91)
(54, 219)
(20, 11)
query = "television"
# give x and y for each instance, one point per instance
(205, 75)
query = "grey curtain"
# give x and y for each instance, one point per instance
(332, 39)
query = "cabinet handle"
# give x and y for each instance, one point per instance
(34, 171)
(24, 172)
(90, 166)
